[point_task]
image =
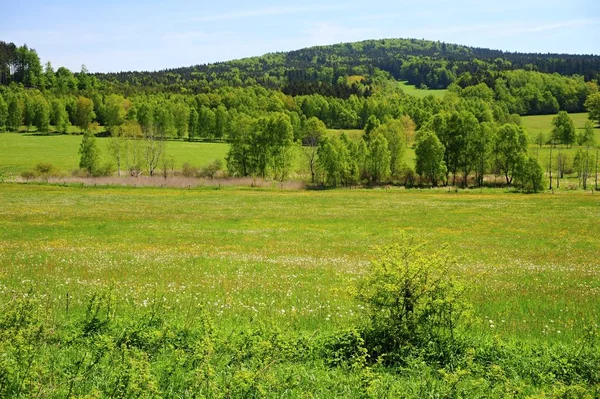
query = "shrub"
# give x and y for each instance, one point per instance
(188, 170)
(107, 169)
(212, 169)
(412, 302)
(28, 175)
(44, 168)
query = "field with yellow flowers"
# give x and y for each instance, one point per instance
(128, 292)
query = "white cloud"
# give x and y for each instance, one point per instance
(541, 28)
(503, 29)
(262, 12)
(327, 33)
(195, 35)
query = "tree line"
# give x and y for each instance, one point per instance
(461, 135)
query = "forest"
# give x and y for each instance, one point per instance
(273, 107)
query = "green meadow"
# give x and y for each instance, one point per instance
(148, 292)
(293, 255)
(420, 93)
(19, 151)
(536, 124)
(22, 151)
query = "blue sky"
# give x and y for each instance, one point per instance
(150, 35)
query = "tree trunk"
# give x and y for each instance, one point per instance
(597, 170)
(550, 167)
(585, 168)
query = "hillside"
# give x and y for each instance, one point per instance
(265, 106)
(420, 62)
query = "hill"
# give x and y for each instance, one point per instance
(262, 106)
(319, 69)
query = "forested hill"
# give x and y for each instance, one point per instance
(325, 69)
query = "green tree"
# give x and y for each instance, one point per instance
(510, 145)
(145, 115)
(154, 148)
(395, 135)
(313, 132)
(371, 124)
(206, 122)
(65, 80)
(28, 67)
(90, 153)
(457, 132)
(592, 104)
(114, 111)
(263, 147)
(279, 135)
(29, 112)
(328, 162)
(482, 148)
(117, 148)
(240, 160)
(84, 80)
(164, 121)
(221, 122)
(15, 113)
(59, 116)
(587, 138)
(354, 159)
(3, 114)
(563, 130)
(49, 76)
(192, 124)
(84, 113)
(540, 139)
(429, 152)
(529, 174)
(41, 118)
(379, 159)
(181, 116)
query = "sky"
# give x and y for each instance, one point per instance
(120, 35)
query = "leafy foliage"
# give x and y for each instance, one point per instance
(412, 302)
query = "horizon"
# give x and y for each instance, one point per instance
(151, 36)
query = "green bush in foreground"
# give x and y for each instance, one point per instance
(148, 351)
(413, 303)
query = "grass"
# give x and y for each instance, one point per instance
(536, 124)
(292, 255)
(414, 91)
(234, 290)
(543, 124)
(354, 134)
(20, 152)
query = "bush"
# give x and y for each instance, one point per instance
(28, 175)
(413, 303)
(188, 170)
(107, 169)
(212, 169)
(529, 175)
(42, 170)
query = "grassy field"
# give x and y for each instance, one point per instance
(354, 134)
(234, 292)
(536, 124)
(414, 91)
(20, 152)
(543, 124)
(271, 252)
